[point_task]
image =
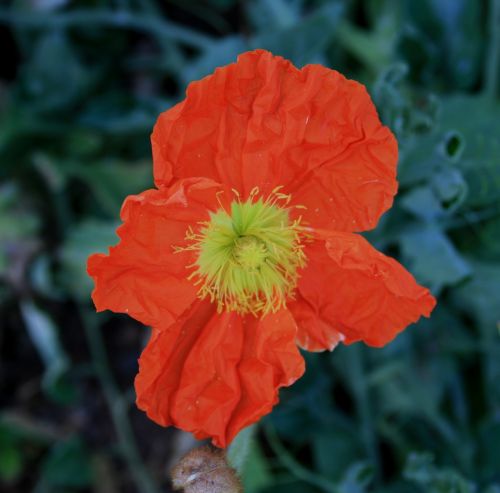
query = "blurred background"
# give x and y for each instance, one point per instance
(81, 84)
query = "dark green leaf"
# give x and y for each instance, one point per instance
(11, 457)
(432, 258)
(44, 335)
(83, 240)
(302, 42)
(67, 465)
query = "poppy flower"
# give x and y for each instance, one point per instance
(248, 248)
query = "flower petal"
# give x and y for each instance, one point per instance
(214, 373)
(270, 360)
(314, 333)
(350, 291)
(142, 276)
(263, 123)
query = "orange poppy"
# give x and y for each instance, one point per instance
(248, 248)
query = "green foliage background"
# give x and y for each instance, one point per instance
(81, 84)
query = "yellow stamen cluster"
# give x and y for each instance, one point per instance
(248, 257)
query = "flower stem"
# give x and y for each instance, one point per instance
(240, 447)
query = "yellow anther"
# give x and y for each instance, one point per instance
(248, 257)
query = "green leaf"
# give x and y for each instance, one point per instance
(445, 193)
(45, 337)
(422, 202)
(495, 488)
(357, 478)
(489, 448)
(11, 204)
(256, 473)
(218, 54)
(82, 240)
(374, 47)
(11, 457)
(452, 146)
(67, 465)
(334, 450)
(478, 121)
(289, 484)
(303, 41)
(240, 448)
(455, 30)
(271, 15)
(111, 182)
(419, 159)
(485, 242)
(53, 78)
(420, 469)
(479, 296)
(450, 189)
(432, 258)
(16, 237)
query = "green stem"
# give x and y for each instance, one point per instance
(237, 452)
(492, 66)
(162, 28)
(117, 407)
(361, 397)
(295, 468)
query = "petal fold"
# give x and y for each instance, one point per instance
(349, 291)
(213, 374)
(143, 276)
(261, 122)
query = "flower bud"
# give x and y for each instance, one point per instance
(205, 470)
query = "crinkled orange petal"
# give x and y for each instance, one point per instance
(142, 276)
(350, 291)
(314, 333)
(213, 373)
(270, 360)
(263, 123)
